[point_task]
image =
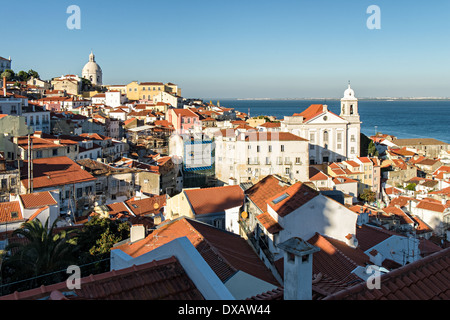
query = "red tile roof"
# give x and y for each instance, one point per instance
(312, 111)
(369, 236)
(56, 171)
(336, 259)
(265, 189)
(399, 213)
(215, 200)
(296, 195)
(427, 204)
(152, 205)
(269, 223)
(6, 208)
(425, 279)
(272, 136)
(37, 199)
(157, 280)
(224, 252)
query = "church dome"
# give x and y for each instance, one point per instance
(349, 93)
(92, 70)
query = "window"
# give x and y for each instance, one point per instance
(339, 137)
(325, 136)
(287, 171)
(298, 161)
(311, 137)
(55, 152)
(282, 148)
(339, 146)
(352, 138)
(38, 154)
(280, 198)
(79, 192)
(257, 149)
(352, 150)
(311, 147)
(270, 148)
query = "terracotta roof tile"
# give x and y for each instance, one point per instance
(215, 200)
(292, 198)
(6, 210)
(224, 252)
(37, 199)
(425, 279)
(265, 189)
(151, 205)
(427, 204)
(157, 280)
(50, 172)
(269, 223)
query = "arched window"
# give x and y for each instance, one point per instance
(325, 136)
(351, 109)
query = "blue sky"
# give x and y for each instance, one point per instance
(242, 49)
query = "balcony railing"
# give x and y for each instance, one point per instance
(259, 244)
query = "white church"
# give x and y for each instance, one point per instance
(92, 71)
(332, 138)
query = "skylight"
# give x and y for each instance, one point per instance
(280, 198)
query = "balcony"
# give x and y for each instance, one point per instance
(260, 244)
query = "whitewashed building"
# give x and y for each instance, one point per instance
(332, 138)
(248, 156)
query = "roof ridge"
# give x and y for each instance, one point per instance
(210, 245)
(338, 250)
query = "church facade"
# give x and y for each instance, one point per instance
(92, 71)
(332, 138)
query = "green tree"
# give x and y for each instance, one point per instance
(97, 237)
(411, 186)
(9, 74)
(22, 76)
(34, 74)
(41, 252)
(368, 195)
(372, 149)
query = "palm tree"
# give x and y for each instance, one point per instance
(42, 252)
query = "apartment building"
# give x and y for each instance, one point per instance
(249, 156)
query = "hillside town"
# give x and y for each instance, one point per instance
(154, 196)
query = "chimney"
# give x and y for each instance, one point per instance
(298, 273)
(325, 108)
(137, 232)
(351, 240)
(4, 86)
(232, 181)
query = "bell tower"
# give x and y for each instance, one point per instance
(349, 112)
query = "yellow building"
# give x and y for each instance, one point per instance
(148, 90)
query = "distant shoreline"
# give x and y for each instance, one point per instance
(334, 99)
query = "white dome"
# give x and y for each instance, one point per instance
(92, 71)
(349, 93)
(91, 68)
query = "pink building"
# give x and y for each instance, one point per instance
(183, 119)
